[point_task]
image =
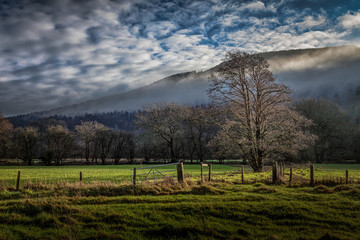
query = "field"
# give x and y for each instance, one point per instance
(53, 204)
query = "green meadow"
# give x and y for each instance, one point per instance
(53, 204)
(121, 174)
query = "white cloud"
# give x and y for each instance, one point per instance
(311, 21)
(350, 20)
(253, 6)
(229, 19)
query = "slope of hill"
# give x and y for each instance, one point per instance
(331, 73)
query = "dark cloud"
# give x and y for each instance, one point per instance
(61, 52)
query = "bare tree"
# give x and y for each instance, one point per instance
(258, 116)
(59, 143)
(87, 133)
(123, 146)
(103, 141)
(26, 143)
(199, 130)
(162, 120)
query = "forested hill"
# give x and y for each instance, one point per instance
(122, 120)
(330, 73)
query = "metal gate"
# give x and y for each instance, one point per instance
(153, 172)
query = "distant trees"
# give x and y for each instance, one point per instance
(86, 131)
(6, 129)
(258, 116)
(121, 142)
(164, 121)
(198, 130)
(59, 142)
(103, 142)
(331, 125)
(26, 143)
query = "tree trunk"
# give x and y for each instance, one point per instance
(172, 152)
(29, 161)
(87, 152)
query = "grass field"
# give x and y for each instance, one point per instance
(122, 173)
(107, 206)
(111, 173)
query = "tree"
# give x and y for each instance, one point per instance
(59, 143)
(198, 130)
(120, 142)
(163, 120)
(86, 131)
(26, 143)
(258, 116)
(5, 131)
(332, 126)
(103, 141)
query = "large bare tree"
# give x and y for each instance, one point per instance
(258, 116)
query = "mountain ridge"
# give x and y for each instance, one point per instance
(304, 70)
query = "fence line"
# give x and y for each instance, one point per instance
(278, 174)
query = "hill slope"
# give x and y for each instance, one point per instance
(331, 73)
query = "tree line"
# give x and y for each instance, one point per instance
(251, 117)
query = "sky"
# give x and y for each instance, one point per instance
(59, 52)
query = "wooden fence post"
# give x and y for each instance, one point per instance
(134, 177)
(209, 172)
(275, 173)
(80, 177)
(242, 174)
(290, 178)
(18, 181)
(180, 172)
(312, 175)
(347, 176)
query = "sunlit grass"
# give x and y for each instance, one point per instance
(122, 173)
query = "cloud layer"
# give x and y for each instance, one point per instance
(60, 52)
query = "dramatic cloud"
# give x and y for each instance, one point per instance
(350, 20)
(59, 52)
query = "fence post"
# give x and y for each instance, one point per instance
(312, 175)
(242, 174)
(134, 177)
(209, 172)
(180, 172)
(275, 173)
(80, 177)
(290, 178)
(18, 181)
(347, 177)
(202, 176)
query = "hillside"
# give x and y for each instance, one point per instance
(331, 73)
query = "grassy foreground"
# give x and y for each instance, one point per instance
(222, 209)
(169, 211)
